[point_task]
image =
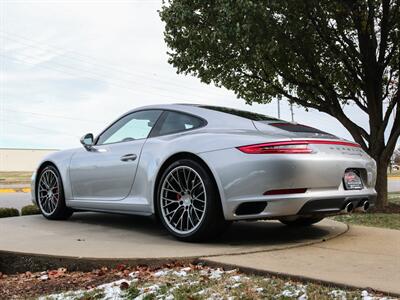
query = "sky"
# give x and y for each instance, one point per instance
(70, 67)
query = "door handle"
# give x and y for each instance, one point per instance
(128, 157)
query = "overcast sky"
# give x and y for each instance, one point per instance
(70, 67)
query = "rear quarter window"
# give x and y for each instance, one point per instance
(174, 122)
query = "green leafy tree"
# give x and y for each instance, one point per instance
(321, 54)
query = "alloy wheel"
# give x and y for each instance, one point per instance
(183, 200)
(48, 192)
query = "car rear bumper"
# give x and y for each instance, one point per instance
(311, 204)
(244, 179)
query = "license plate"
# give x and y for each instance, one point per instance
(352, 181)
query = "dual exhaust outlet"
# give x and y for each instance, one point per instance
(349, 208)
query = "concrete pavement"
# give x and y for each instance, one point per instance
(363, 257)
(96, 235)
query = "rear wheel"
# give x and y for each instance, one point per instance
(50, 195)
(301, 221)
(188, 202)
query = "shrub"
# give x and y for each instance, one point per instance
(8, 212)
(30, 210)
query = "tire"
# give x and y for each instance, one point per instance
(301, 221)
(188, 203)
(50, 195)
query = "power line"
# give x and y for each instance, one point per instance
(39, 128)
(51, 116)
(77, 56)
(58, 69)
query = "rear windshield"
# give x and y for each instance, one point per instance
(297, 128)
(241, 113)
(291, 127)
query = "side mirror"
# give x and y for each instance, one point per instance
(87, 141)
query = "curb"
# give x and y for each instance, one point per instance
(301, 278)
(15, 190)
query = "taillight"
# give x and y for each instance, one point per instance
(285, 191)
(277, 148)
(290, 147)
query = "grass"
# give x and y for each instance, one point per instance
(200, 282)
(391, 221)
(394, 198)
(382, 220)
(15, 177)
(394, 173)
(6, 212)
(30, 210)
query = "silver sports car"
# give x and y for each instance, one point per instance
(197, 168)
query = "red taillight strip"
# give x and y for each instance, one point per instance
(329, 142)
(268, 148)
(285, 191)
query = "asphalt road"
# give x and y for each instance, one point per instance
(394, 185)
(18, 200)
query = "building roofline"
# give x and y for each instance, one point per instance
(44, 149)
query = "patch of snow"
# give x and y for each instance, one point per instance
(202, 292)
(44, 277)
(133, 274)
(236, 278)
(111, 290)
(293, 291)
(180, 273)
(338, 294)
(303, 297)
(161, 273)
(204, 272)
(187, 269)
(216, 273)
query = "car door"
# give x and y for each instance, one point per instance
(107, 170)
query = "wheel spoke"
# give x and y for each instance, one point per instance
(185, 178)
(172, 187)
(177, 181)
(199, 194)
(190, 217)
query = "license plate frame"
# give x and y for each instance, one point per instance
(352, 180)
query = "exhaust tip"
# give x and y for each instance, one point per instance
(365, 205)
(349, 207)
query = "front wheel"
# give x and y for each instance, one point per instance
(50, 195)
(188, 202)
(301, 221)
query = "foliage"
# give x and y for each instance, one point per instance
(391, 221)
(30, 210)
(8, 212)
(319, 54)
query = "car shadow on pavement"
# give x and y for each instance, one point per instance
(251, 233)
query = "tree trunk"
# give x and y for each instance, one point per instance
(381, 186)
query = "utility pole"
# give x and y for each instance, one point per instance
(291, 111)
(279, 108)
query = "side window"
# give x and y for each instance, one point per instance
(177, 122)
(132, 127)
